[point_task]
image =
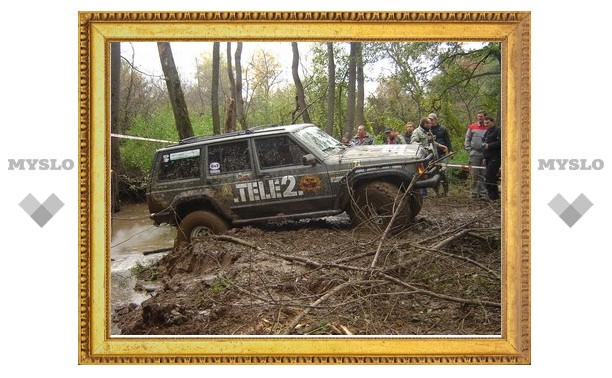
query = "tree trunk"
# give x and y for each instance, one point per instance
(331, 87)
(214, 96)
(116, 163)
(299, 88)
(240, 118)
(350, 100)
(360, 86)
(230, 112)
(173, 83)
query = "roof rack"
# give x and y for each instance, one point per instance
(250, 130)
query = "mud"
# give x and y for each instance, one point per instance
(441, 276)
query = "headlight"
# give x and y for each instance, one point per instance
(421, 168)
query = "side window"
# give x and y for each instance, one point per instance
(229, 157)
(180, 165)
(278, 152)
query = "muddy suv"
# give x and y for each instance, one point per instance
(209, 184)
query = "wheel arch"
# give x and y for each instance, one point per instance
(190, 205)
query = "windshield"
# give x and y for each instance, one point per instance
(319, 139)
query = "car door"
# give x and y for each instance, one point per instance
(229, 172)
(287, 186)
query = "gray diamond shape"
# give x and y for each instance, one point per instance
(570, 216)
(29, 204)
(582, 204)
(41, 216)
(558, 204)
(53, 204)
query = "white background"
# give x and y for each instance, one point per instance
(570, 119)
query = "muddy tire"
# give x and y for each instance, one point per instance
(373, 206)
(199, 224)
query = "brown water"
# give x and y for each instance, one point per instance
(132, 234)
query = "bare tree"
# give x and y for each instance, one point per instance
(331, 87)
(230, 116)
(299, 88)
(240, 117)
(175, 92)
(360, 85)
(214, 96)
(350, 101)
(116, 163)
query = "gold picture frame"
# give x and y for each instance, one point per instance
(98, 29)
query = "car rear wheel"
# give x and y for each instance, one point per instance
(374, 203)
(199, 224)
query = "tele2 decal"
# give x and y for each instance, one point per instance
(284, 187)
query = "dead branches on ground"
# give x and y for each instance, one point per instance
(341, 284)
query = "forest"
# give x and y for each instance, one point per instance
(336, 85)
(441, 276)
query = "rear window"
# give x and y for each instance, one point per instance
(180, 165)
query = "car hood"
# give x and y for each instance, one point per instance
(382, 153)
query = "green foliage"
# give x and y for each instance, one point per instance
(461, 156)
(219, 284)
(144, 271)
(412, 79)
(138, 154)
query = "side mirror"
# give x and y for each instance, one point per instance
(309, 159)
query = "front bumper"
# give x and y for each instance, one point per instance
(431, 182)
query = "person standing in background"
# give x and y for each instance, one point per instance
(492, 157)
(362, 137)
(409, 131)
(393, 137)
(441, 136)
(473, 144)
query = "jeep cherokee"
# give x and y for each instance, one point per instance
(273, 173)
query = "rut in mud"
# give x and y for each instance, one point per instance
(441, 276)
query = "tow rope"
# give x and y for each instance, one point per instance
(141, 138)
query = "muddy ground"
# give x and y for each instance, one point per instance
(442, 276)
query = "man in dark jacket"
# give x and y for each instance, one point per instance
(492, 156)
(442, 137)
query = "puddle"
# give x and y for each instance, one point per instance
(133, 234)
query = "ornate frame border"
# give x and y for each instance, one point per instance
(98, 29)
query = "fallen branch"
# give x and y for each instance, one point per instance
(459, 257)
(478, 217)
(314, 304)
(440, 296)
(235, 240)
(402, 203)
(151, 252)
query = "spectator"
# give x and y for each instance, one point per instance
(346, 139)
(362, 137)
(424, 137)
(492, 157)
(393, 137)
(409, 131)
(441, 136)
(473, 144)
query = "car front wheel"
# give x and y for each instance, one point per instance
(374, 204)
